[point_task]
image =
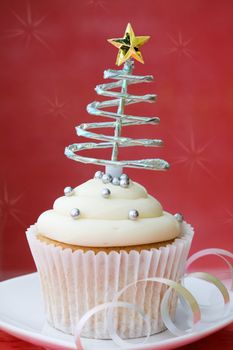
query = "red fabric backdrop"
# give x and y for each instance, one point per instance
(53, 53)
(216, 341)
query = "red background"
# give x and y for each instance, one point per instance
(218, 340)
(53, 54)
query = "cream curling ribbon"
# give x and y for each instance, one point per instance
(188, 301)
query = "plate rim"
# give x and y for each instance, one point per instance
(45, 340)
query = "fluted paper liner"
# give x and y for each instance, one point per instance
(74, 282)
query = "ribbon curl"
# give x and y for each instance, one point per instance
(186, 298)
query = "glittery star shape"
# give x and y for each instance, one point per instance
(129, 46)
(180, 46)
(56, 107)
(229, 219)
(194, 156)
(28, 28)
(97, 3)
(8, 206)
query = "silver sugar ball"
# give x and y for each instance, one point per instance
(124, 176)
(179, 217)
(124, 183)
(105, 192)
(68, 191)
(116, 181)
(98, 175)
(106, 178)
(75, 213)
(133, 214)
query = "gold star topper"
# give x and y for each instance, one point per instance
(129, 46)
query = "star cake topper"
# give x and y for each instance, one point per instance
(129, 46)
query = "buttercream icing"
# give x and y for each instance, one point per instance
(104, 222)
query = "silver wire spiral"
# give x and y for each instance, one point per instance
(121, 99)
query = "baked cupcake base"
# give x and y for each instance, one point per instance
(138, 248)
(75, 280)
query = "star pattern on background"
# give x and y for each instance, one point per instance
(194, 156)
(180, 47)
(98, 3)
(55, 107)
(8, 206)
(28, 28)
(229, 219)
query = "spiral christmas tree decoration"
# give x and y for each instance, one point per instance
(129, 48)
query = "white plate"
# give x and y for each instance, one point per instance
(21, 314)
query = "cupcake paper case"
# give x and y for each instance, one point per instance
(109, 232)
(73, 282)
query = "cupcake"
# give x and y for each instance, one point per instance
(109, 232)
(91, 245)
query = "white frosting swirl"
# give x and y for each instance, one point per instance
(104, 222)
